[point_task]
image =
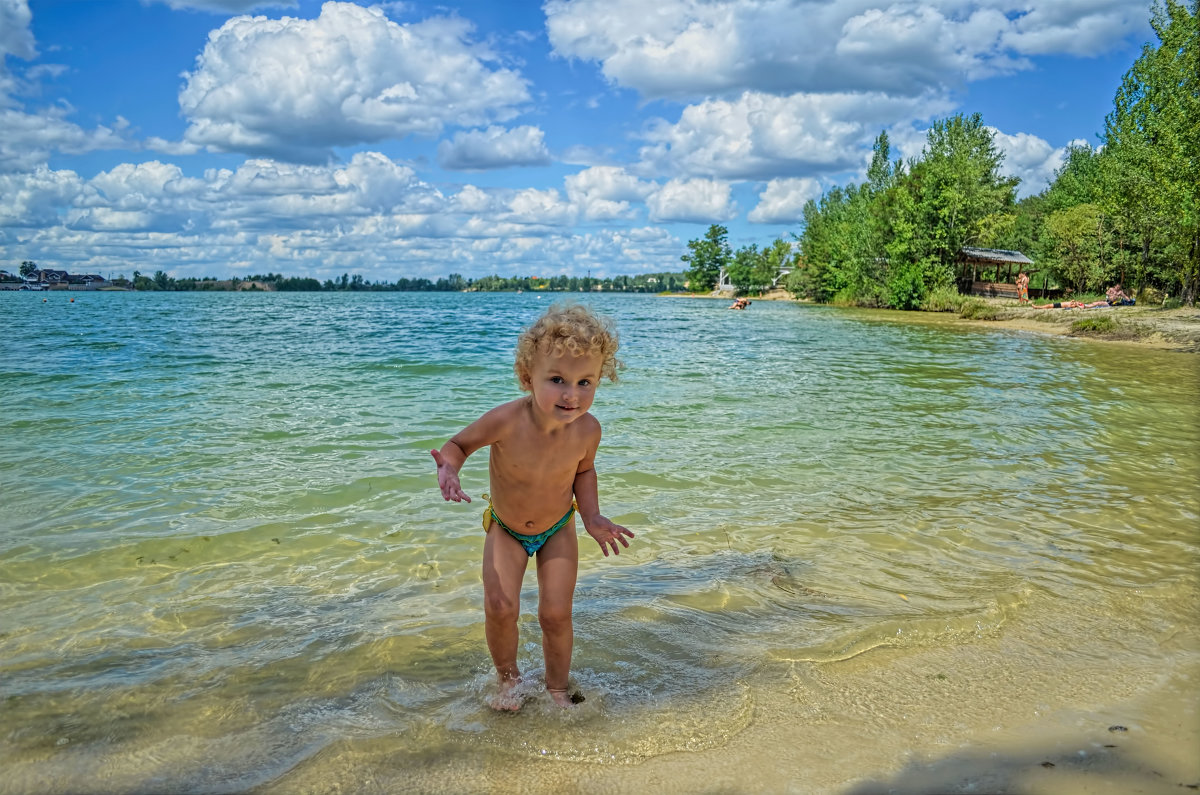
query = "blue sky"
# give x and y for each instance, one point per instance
(228, 137)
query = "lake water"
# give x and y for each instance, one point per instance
(225, 565)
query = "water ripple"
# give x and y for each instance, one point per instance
(221, 538)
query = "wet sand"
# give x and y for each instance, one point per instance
(1008, 713)
(864, 730)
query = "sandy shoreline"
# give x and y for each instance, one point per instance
(1147, 326)
(1001, 714)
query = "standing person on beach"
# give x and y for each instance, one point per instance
(542, 471)
(1022, 287)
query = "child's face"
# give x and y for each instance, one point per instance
(564, 386)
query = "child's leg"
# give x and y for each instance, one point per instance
(557, 567)
(504, 564)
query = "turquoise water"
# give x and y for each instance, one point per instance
(224, 559)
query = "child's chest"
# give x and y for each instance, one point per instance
(538, 458)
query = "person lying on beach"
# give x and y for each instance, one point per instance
(1115, 296)
(542, 471)
(1070, 305)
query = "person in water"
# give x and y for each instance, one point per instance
(542, 471)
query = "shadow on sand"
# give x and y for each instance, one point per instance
(1099, 761)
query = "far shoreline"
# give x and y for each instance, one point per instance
(1152, 327)
(1143, 326)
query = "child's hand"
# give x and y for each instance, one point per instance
(608, 534)
(448, 480)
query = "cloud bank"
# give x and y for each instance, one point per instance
(366, 139)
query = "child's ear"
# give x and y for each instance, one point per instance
(523, 380)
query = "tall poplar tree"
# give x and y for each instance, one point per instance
(1152, 152)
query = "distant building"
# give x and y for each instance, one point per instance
(49, 278)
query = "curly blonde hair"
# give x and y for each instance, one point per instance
(568, 328)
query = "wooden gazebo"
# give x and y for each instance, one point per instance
(971, 260)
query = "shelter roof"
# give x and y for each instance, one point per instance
(995, 255)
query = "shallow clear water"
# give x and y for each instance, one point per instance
(223, 554)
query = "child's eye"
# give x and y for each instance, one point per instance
(585, 382)
(556, 379)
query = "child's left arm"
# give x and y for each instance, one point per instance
(606, 532)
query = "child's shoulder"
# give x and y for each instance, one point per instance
(507, 412)
(588, 425)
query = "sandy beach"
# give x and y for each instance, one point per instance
(1175, 329)
(999, 715)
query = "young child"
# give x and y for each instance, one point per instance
(542, 471)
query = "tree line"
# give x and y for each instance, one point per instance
(1126, 211)
(641, 283)
(748, 269)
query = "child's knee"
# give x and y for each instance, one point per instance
(554, 619)
(499, 606)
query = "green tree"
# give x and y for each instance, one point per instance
(1151, 159)
(822, 246)
(28, 268)
(776, 256)
(706, 257)
(958, 185)
(1080, 179)
(743, 267)
(1077, 239)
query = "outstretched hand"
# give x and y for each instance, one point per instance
(608, 534)
(448, 480)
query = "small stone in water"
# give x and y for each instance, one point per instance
(1117, 729)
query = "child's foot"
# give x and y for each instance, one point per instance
(510, 698)
(564, 698)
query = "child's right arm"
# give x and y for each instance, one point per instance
(480, 433)
(449, 460)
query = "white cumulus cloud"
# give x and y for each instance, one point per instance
(783, 200)
(15, 36)
(228, 6)
(1031, 158)
(495, 147)
(689, 48)
(606, 192)
(28, 139)
(294, 88)
(33, 199)
(692, 200)
(762, 136)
